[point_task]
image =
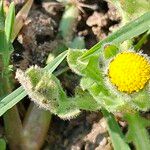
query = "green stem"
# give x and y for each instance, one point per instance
(61, 71)
(137, 132)
(11, 118)
(12, 122)
(142, 41)
(68, 22)
(13, 128)
(117, 137)
(35, 127)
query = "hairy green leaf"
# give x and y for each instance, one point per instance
(110, 51)
(67, 109)
(141, 100)
(106, 99)
(46, 91)
(85, 101)
(17, 95)
(72, 59)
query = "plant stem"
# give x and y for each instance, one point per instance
(117, 137)
(137, 132)
(35, 127)
(13, 126)
(68, 22)
(142, 41)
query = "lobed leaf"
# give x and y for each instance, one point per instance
(46, 91)
(17, 95)
(72, 59)
(85, 101)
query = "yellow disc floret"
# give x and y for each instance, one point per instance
(129, 72)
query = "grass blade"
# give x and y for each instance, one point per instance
(11, 100)
(142, 40)
(17, 95)
(117, 138)
(2, 18)
(132, 29)
(2, 144)
(9, 22)
(54, 64)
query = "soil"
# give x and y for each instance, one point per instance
(38, 38)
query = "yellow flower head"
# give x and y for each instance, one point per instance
(129, 72)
